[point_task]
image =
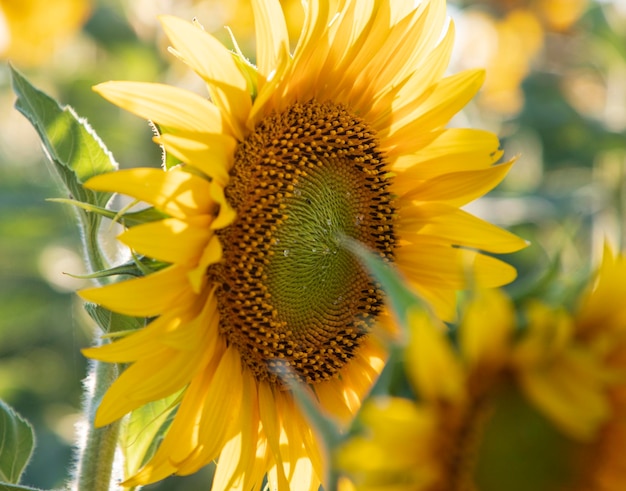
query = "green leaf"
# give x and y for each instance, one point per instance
(74, 150)
(400, 299)
(142, 432)
(17, 442)
(399, 296)
(112, 321)
(73, 147)
(16, 487)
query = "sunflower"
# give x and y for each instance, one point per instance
(432, 444)
(601, 323)
(344, 137)
(543, 409)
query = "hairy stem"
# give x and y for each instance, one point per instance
(94, 470)
(96, 452)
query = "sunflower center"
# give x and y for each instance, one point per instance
(289, 295)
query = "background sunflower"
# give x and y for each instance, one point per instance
(568, 122)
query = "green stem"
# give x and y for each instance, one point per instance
(90, 223)
(94, 470)
(95, 467)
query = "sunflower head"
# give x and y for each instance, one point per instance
(345, 137)
(299, 188)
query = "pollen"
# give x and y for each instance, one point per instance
(291, 299)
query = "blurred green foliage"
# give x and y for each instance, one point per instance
(565, 195)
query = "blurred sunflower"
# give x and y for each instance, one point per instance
(344, 137)
(541, 410)
(601, 323)
(522, 27)
(432, 444)
(30, 30)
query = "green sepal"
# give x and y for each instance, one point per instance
(168, 161)
(248, 70)
(128, 219)
(112, 322)
(139, 266)
(17, 442)
(142, 432)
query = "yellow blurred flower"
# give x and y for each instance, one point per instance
(397, 451)
(601, 323)
(554, 392)
(564, 377)
(435, 441)
(560, 15)
(554, 15)
(31, 30)
(507, 39)
(516, 39)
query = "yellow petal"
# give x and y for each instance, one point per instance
(549, 332)
(486, 329)
(428, 70)
(332, 399)
(144, 297)
(177, 193)
(314, 448)
(457, 227)
(271, 428)
(459, 188)
(387, 66)
(226, 215)
(215, 64)
(171, 240)
(211, 254)
(182, 437)
(602, 306)
(317, 17)
(337, 48)
(271, 96)
(432, 169)
(164, 104)
(216, 423)
(453, 151)
(272, 39)
(451, 142)
(567, 392)
(433, 263)
(445, 99)
(149, 379)
(179, 328)
(311, 51)
(200, 328)
(243, 461)
(441, 300)
(139, 344)
(212, 154)
(430, 361)
(393, 419)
